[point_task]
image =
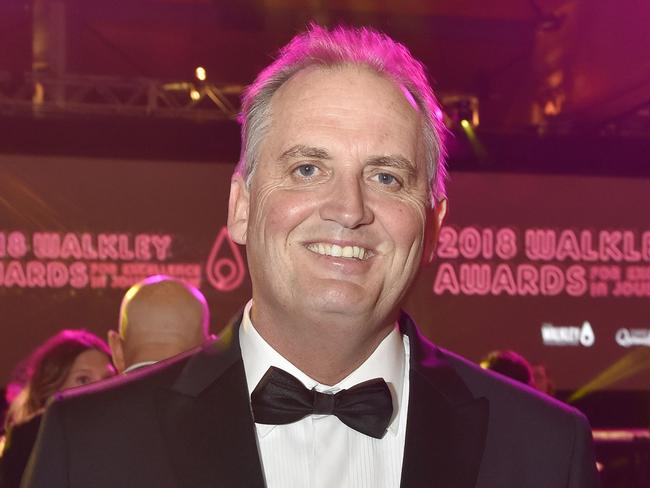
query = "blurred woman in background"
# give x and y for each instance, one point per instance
(69, 359)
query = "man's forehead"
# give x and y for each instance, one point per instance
(310, 77)
(295, 100)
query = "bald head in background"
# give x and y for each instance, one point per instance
(160, 317)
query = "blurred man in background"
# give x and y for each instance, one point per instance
(160, 317)
(510, 364)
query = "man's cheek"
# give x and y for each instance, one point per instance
(275, 222)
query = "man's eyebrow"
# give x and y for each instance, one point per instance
(302, 151)
(395, 161)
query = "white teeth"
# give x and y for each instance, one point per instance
(339, 251)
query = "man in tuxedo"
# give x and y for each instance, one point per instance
(323, 381)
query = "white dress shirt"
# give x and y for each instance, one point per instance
(320, 451)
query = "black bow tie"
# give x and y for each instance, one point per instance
(279, 398)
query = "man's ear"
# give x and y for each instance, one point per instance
(434, 222)
(238, 206)
(117, 350)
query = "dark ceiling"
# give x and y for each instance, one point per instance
(557, 66)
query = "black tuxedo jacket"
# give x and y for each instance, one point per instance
(188, 424)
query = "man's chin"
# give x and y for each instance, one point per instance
(339, 297)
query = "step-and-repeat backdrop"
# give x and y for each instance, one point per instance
(554, 267)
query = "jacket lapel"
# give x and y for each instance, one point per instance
(446, 427)
(207, 422)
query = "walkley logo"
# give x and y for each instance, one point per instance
(53, 259)
(225, 267)
(633, 337)
(553, 335)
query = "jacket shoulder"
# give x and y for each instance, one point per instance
(136, 388)
(533, 439)
(508, 394)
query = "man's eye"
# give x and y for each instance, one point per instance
(387, 179)
(306, 170)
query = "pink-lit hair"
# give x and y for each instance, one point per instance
(344, 46)
(47, 368)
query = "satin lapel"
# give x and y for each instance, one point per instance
(446, 427)
(207, 423)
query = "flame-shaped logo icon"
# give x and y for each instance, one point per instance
(225, 273)
(587, 336)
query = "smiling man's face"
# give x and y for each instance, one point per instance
(336, 216)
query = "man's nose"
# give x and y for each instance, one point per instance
(346, 203)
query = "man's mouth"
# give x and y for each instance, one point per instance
(334, 250)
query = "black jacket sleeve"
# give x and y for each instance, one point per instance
(48, 464)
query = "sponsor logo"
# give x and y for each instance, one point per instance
(568, 335)
(633, 337)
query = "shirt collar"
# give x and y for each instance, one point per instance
(135, 366)
(388, 361)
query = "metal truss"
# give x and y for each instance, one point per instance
(45, 95)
